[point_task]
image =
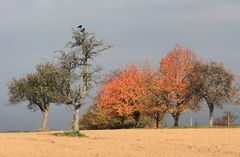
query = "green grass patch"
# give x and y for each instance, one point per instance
(70, 134)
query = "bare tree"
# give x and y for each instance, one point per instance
(39, 89)
(212, 83)
(79, 70)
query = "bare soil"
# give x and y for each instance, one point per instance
(125, 143)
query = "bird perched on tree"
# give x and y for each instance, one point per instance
(83, 30)
(80, 26)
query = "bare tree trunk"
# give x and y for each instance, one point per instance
(44, 120)
(136, 116)
(75, 122)
(122, 122)
(210, 121)
(228, 120)
(176, 118)
(176, 122)
(157, 119)
(122, 119)
(157, 123)
(191, 122)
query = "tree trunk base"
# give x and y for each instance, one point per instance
(75, 122)
(44, 121)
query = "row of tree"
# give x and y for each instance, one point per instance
(182, 82)
(67, 80)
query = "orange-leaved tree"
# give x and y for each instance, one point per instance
(124, 94)
(174, 68)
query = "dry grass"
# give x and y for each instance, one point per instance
(124, 143)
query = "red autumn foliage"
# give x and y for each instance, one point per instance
(133, 90)
(174, 68)
(152, 93)
(123, 94)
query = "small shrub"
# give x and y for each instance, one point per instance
(71, 134)
(74, 134)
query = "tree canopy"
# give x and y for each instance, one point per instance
(39, 89)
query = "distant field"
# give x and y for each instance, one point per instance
(125, 143)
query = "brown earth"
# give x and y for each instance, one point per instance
(124, 143)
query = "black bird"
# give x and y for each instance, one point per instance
(83, 30)
(80, 26)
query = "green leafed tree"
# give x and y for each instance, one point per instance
(79, 69)
(39, 89)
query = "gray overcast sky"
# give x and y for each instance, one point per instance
(31, 30)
